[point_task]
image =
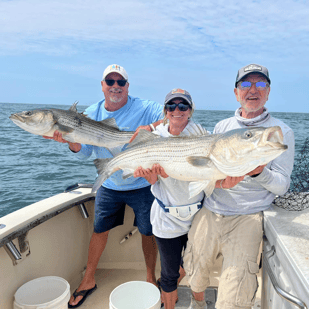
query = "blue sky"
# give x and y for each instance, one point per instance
(54, 52)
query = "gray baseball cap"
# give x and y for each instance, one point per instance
(251, 68)
(179, 93)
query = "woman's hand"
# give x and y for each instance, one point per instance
(151, 175)
(159, 170)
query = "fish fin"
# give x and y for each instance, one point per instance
(110, 122)
(73, 107)
(142, 137)
(209, 188)
(198, 161)
(103, 171)
(127, 172)
(196, 187)
(64, 129)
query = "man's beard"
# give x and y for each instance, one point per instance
(113, 98)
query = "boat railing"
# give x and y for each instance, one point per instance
(21, 232)
(282, 293)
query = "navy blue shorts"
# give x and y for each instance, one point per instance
(110, 207)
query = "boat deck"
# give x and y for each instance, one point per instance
(108, 279)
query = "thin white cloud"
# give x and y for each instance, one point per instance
(188, 30)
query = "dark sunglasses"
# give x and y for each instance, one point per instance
(247, 85)
(111, 82)
(171, 106)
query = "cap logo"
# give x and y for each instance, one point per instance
(115, 67)
(252, 67)
(178, 90)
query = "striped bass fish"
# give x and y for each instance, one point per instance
(202, 160)
(75, 127)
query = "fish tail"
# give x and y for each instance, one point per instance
(103, 172)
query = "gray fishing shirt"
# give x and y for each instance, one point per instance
(255, 194)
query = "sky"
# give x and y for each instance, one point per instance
(55, 52)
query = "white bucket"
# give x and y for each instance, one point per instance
(45, 292)
(135, 295)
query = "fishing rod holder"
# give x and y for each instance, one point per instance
(83, 211)
(13, 251)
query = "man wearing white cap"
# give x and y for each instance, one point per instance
(129, 113)
(230, 222)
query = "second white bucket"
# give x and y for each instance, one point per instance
(135, 295)
(45, 292)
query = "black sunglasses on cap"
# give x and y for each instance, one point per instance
(183, 106)
(111, 82)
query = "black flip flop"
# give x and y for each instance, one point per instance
(84, 293)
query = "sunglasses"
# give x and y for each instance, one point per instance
(247, 85)
(171, 106)
(111, 82)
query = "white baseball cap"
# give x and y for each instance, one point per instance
(115, 68)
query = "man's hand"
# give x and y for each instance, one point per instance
(75, 147)
(228, 182)
(138, 129)
(257, 171)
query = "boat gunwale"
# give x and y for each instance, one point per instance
(24, 229)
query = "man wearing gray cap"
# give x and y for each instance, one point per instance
(230, 223)
(115, 193)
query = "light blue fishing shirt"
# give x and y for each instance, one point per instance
(135, 113)
(255, 194)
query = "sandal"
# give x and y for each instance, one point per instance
(84, 293)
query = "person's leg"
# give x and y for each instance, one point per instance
(140, 201)
(96, 247)
(150, 251)
(242, 236)
(170, 255)
(201, 252)
(109, 213)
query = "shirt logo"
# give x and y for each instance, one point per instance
(252, 67)
(178, 90)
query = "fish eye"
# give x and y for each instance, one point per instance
(28, 113)
(248, 134)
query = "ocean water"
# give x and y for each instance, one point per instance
(33, 168)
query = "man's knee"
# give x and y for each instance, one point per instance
(238, 285)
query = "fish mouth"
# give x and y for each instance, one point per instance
(273, 136)
(17, 117)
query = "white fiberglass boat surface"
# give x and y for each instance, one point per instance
(51, 238)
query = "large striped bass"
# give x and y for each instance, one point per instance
(75, 127)
(202, 160)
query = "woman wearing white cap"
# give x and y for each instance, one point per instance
(172, 210)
